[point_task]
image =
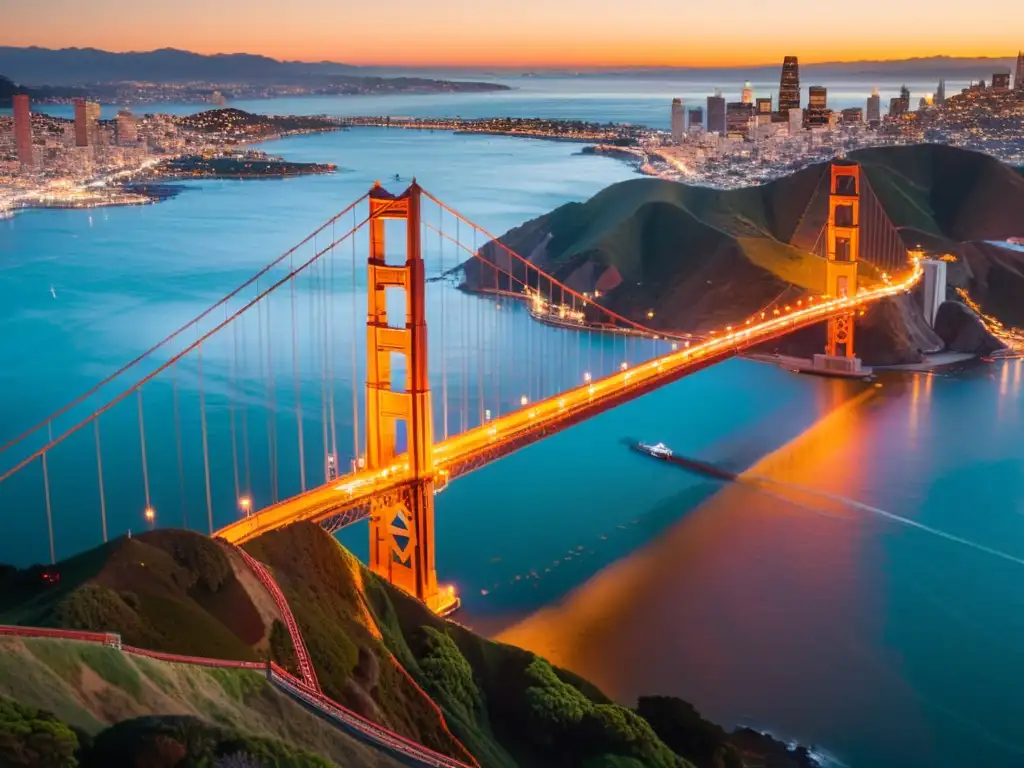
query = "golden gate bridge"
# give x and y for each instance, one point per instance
(236, 415)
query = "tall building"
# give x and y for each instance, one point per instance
(796, 120)
(695, 119)
(127, 129)
(874, 109)
(764, 106)
(1018, 78)
(853, 116)
(817, 107)
(940, 93)
(789, 87)
(716, 114)
(738, 115)
(23, 130)
(748, 93)
(1001, 82)
(905, 97)
(678, 121)
(87, 117)
(896, 107)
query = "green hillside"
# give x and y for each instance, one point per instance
(375, 650)
(87, 689)
(168, 590)
(700, 257)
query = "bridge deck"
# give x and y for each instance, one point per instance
(458, 455)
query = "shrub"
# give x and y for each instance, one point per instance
(448, 675)
(34, 739)
(686, 733)
(96, 608)
(239, 684)
(169, 741)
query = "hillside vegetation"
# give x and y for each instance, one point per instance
(87, 688)
(167, 590)
(700, 258)
(376, 651)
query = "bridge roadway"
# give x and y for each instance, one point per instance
(349, 498)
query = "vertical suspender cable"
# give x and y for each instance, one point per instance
(320, 292)
(355, 367)
(269, 383)
(295, 376)
(233, 389)
(177, 440)
(245, 414)
(464, 346)
(329, 342)
(206, 447)
(99, 476)
(444, 334)
(46, 489)
(142, 442)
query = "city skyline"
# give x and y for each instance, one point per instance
(529, 34)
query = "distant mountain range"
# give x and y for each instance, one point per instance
(78, 66)
(75, 66)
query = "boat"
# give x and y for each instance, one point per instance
(658, 450)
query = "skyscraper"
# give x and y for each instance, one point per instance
(738, 115)
(716, 114)
(796, 121)
(695, 119)
(940, 93)
(748, 93)
(1018, 79)
(127, 131)
(23, 130)
(789, 87)
(905, 97)
(678, 121)
(87, 115)
(817, 107)
(1001, 82)
(874, 109)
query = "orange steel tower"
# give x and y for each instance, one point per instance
(401, 523)
(843, 232)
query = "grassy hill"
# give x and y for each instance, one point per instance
(375, 650)
(701, 258)
(166, 590)
(90, 688)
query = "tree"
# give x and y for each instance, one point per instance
(34, 739)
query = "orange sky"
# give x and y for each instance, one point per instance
(524, 32)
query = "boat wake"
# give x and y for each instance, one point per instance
(761, 481)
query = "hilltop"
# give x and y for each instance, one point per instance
(378, 652)
(9, 88)
(701, 258)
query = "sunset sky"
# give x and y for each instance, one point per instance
(525, 32)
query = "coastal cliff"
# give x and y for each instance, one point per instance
(700, 258)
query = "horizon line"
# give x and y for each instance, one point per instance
(531, 66)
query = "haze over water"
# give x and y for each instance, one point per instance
(819, 615)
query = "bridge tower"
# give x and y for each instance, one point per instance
(402, 522)
(843, 250)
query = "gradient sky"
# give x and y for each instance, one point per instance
(526, 32)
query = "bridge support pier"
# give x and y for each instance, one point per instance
(401, 523)
(843, 252)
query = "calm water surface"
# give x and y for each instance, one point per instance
(867, 600)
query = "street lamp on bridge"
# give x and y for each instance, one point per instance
(245, 504)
